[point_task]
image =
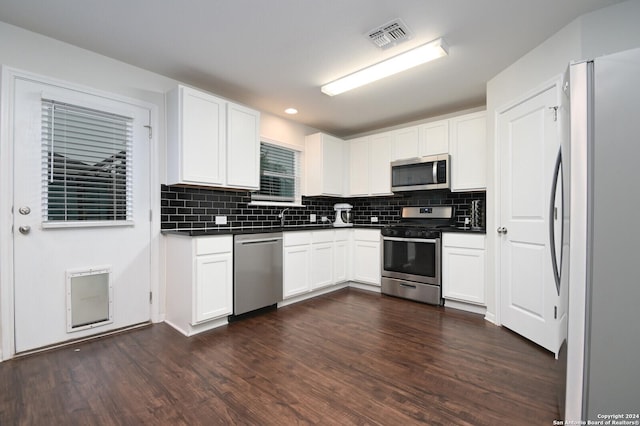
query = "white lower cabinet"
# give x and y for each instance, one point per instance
(314, 260)
(199, 282)
(463, 267)
(366, 256)
(296, 263)
(321, 259)
(341, 256)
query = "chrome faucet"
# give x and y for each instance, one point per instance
(281, 216)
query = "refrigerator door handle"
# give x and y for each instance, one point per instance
(552, 237)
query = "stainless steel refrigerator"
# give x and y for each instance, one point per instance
(601, 180)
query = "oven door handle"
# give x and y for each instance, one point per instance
(410, 240)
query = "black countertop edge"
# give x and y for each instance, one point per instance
(238, 231)
(464, 230)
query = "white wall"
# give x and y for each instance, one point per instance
(608, 30)
(283, 130)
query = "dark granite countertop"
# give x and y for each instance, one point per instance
(223, 230)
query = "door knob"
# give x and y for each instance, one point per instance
(24, 229)
(24, 210)
(502, 230)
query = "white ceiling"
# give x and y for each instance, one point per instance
(272, 54)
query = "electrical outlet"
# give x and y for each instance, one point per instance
(325, 219)
(312, 218)
(221, 220)
(374, 219)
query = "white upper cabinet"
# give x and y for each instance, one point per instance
(359, 166)
(468, 150)
(434, 138)
(210, 141)
(243, 147)
(379, 163)
(370, 170)
(196, 137)
(405, 143)
(325, 165)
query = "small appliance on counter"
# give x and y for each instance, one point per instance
(344, 217)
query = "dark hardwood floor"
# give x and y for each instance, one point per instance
(350, 357)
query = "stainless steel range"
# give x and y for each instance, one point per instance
(411, 254)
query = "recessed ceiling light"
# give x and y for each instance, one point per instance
(404, 61)
(291, 111)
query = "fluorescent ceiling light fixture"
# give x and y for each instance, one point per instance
(291, 111)
(404, 61)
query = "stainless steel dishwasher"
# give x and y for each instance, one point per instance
(257, 271)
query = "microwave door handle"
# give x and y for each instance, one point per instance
(435, 172)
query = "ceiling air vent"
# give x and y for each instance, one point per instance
(390, 34)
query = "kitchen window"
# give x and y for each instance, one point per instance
(279, 175)
(86, 166)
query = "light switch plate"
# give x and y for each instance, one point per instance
(312, 218)
(221, 220)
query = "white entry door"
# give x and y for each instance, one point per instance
(529, 140)
(81, 214)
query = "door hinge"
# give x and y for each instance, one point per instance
(150, 297)
(555, 312)
(555, 112)
(150, 215)
(150, 129)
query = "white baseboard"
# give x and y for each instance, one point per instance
(491, 317)
(311, 294)
(199, 328)
(364, 286)
(469, 307)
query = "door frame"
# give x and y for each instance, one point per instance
(8, 76)
(497, 213)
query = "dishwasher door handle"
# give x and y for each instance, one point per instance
(266, 241)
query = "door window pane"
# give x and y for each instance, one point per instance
(86, 165)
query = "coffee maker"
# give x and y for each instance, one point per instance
(344, 217)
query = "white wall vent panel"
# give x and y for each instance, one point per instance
(390, 34)
(89, 298)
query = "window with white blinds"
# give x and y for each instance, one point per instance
(279, 174)
(86, 166)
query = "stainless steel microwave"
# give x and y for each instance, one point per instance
(421, 173)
